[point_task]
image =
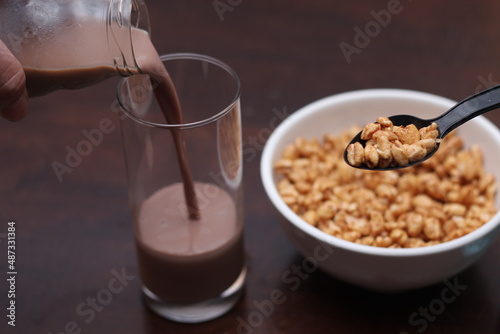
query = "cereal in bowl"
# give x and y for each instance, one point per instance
(439, 200)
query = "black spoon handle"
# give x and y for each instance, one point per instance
(469, 108)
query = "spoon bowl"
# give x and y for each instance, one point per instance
(457, 115)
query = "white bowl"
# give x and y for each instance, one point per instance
(377, 268)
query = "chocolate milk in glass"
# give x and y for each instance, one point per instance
(188, 261)
(185, 255)
(188, 251)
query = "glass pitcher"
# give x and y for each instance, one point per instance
(70, 44)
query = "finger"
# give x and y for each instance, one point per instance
(13, 94)
(17, 109)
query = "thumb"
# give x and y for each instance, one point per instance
(13, 94)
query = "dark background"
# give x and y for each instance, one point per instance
(72, 235)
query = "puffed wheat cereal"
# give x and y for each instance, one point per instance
(441, 199)
(392, 146)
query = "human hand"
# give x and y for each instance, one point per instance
(13, 94)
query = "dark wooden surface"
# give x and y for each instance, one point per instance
(74, 233)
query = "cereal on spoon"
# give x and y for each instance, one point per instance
(392, 146)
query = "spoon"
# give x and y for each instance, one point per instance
(460, 113)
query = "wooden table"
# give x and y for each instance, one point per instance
(74, 232)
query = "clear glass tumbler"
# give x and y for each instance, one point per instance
(191, 264)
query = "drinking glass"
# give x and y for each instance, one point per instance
(189, 247)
